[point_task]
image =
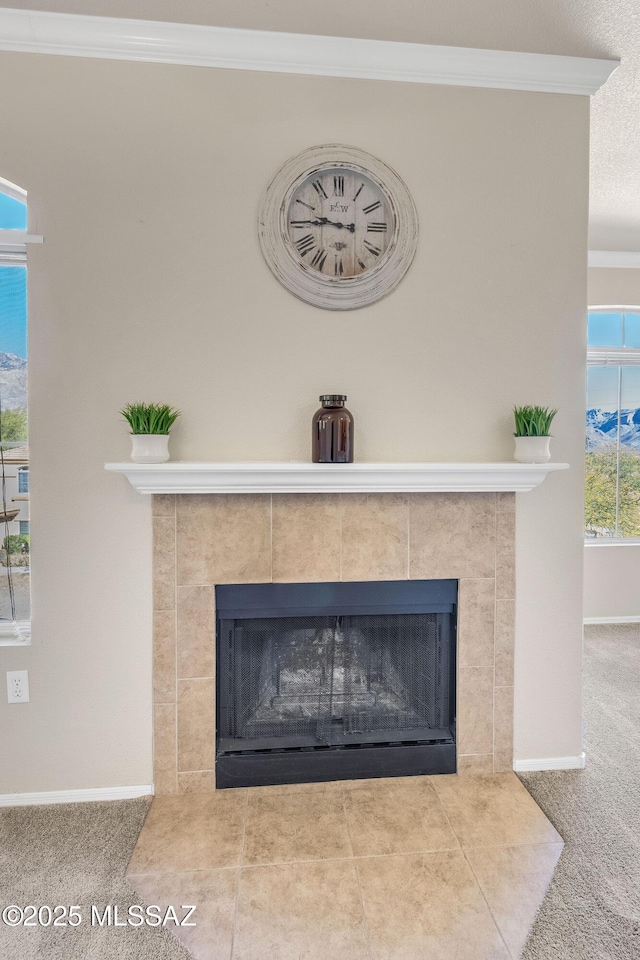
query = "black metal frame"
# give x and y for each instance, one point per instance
(261, 762)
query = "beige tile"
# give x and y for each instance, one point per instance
(223, 539)
(503, 729)
(164, 564)
(163, 505)
(494, 810)
(427, 907)
(473, 764)
(375, 536)
(196, 732)
(300, 910)
(196, 631)
(506, 503)
(514, 881)
(197, 781)
(306, 537)
(300, 826)
(348, 785)
(476, 622)
(451, 535)
(164, 656)
(404, 817)
(331, 786)
(212, 892)
(506, 546)
(505, 639)
(199, 831)
(164, 748)
(475, 710)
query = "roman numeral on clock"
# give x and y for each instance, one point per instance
(338, 186)
(338, 269)
(304, 244)
(376, 251)
(359, 191)
(362, 265)
(375, 227)
(371, 207)
(319, 259)
(319, 189)
(304, 204)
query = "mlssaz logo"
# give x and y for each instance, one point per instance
(338, 207)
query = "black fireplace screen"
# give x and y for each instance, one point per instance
(336, 678)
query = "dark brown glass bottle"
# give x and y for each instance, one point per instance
(332, 426)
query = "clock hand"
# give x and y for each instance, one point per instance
(324, 222)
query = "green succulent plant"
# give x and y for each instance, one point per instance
(533, 421)
(150, 418)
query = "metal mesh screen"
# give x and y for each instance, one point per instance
(336, 680)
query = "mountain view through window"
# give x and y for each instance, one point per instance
(612, 507)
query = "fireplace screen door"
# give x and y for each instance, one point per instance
(334, 666)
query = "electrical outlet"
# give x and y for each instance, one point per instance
(17, 686)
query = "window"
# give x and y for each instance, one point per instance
(15, 580)
(612, 509)
(23, 479)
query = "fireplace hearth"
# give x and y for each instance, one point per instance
(323, 681)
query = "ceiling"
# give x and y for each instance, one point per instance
(588, 28)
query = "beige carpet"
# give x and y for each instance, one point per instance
(75, 854)
(592, 908)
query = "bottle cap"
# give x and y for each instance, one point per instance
(333, 396)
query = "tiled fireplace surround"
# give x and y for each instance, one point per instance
(200, 540)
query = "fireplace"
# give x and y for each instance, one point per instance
(324, 681)
(205, 540)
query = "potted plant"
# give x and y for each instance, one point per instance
(532, 433)
(150, 424)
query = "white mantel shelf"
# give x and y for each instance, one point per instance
(179, 477)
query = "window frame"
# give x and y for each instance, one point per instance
(13, 253)
(614, 357)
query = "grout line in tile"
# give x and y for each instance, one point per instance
(457, 838)
(375, 856)
(495, 922)
(195, 678)
(340, 528)
(175, 606)
(408, 503)
(271, 537)
(240, 862)
(357, 872)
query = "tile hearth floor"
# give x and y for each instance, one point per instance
(419, 868)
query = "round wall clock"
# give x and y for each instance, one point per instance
(338, 227)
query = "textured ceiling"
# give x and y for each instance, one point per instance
(588, 28)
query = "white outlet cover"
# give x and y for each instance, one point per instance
(17, 686)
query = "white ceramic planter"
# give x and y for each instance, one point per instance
(532, 449)
(149, 447)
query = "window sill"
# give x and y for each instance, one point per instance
(15, 635)
(612, 542)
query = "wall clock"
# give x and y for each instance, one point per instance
(338, 227)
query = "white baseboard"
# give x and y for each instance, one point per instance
(551, 763)
(75, 796)
(612, 619)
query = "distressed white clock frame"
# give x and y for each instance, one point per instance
(334, 293)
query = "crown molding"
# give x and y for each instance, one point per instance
(614, 259)
(110, 38)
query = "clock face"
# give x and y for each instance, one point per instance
(337, 227)
(340, 222)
